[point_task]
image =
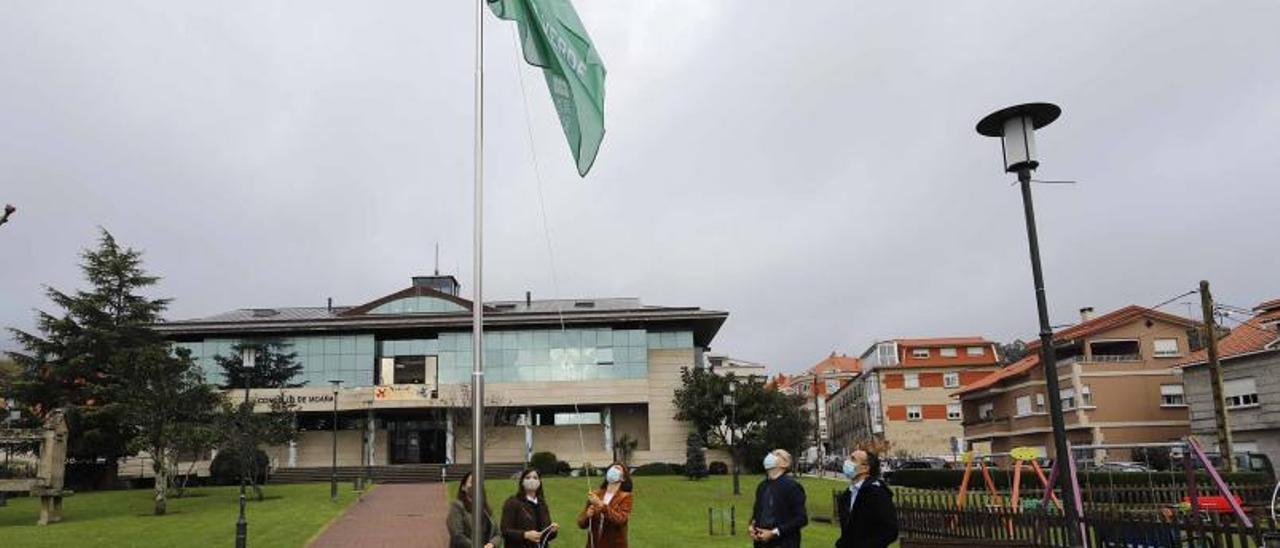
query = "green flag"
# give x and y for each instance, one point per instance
(553, 38)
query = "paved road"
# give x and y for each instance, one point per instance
(392, 515)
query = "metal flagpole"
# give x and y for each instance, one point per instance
(478, 536)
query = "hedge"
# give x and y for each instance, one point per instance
(659, 469)
(950, 479)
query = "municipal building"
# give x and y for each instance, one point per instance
(567, 376)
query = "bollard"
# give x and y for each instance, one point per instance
(733, 521)
(711, 524)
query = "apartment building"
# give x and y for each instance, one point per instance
(904, 393)
(1119, 384)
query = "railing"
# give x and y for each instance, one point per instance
(1112, 358)
(925, 519)
(1107, 493)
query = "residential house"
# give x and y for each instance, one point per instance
(904, 393)
(1250, 360)
(1117, 377)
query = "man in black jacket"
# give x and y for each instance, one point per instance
(779, 513)
(867, 516)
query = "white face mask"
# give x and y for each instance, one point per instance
(531, 484)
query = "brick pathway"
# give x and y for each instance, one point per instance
(392, 516)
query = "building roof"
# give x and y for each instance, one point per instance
(942, 341)
(1257, 334)
(1109, 321)
(514, 313)
(1100, 324)
(839, 362)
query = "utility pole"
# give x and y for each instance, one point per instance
(1215, 377)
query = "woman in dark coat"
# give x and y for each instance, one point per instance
(526, 516)
(459, 522)
(608, 510)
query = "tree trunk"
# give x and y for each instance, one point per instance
(161, 468)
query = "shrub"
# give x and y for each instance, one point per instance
(695, 457)
(589, 469)
(718, 468)
(654, 469)
(227, 467)
(563, 468)
(544, 462)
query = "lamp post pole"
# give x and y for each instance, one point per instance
(731, 400)
(1016, 127)
(333, 470)
(248, 357)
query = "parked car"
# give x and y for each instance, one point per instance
(922, 463)
(1245, 462)
(1121, 466)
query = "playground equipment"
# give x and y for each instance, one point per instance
(1020, 456)
(51, 472)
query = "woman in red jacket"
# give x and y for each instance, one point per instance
(608, 510)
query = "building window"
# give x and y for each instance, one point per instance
(914, 413)
(1171, 396)
(953, 412)
(1086, 396)
(1024, 405)
(833, 387)
(951, 380)
(948, 352)
(1166, 348)
(1240, 393)
(1068, 398)
(911, 381)
(562, 419)
(410, 370)
(1040, 403)
(974, 351)
(920, 353)
(987, 411)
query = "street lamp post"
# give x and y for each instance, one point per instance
(333, 470)
(732, 400)
(248, 359)
(1015, 126)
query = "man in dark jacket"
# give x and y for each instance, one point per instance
(779, 513)
(867, 516)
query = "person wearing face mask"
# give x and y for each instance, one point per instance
(608, 510)
(526, 518)
(779, 513)
(459, 521)
(867, 516)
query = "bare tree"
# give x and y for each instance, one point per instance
(497, 412)
(8, 210)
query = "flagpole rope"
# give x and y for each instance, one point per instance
(551, 256)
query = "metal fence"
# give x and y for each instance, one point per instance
(931, 517)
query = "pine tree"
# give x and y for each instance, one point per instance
(273, 367)
(76, 358)
(695, 465)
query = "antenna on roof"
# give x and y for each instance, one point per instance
(437, 258)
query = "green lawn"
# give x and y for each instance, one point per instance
(290, 516)
(671, 510)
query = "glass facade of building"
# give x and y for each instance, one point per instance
(418, 305)
(323, 358)
(512, 356)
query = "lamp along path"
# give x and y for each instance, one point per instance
(392, 515)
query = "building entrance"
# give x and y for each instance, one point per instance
(416, 441)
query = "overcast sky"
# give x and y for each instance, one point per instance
(809, 167)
